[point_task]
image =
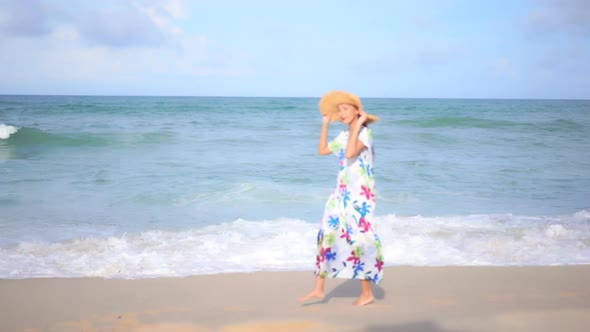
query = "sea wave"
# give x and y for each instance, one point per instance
(289, 244)
(483, 123)
(6, 131)
(469, 122)
(33, 136)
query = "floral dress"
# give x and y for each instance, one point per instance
(348, 246)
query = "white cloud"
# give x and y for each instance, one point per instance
(62, 57)
(122, 25)
(133, 43)
(164, 13)
(27, 18)
(571, 17)
(175, 8)
(130, 23)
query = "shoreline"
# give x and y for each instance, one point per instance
(438, 299)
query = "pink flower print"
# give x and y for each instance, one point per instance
(379, 265)
(342, 186)
(364, 224)
(353, 258)
(367, 193)
(322, 255)
(345, 234)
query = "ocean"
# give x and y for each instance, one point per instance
(142, 187)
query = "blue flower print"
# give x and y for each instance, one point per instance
(334, 222)
(330, 256)
(346, 198)
(359, 267)
(364, 209)
(375, 278)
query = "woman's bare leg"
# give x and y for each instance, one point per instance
(317, 292)
(366, 296)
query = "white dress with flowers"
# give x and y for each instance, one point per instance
(348, 246)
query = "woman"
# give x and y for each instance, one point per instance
(347, 244)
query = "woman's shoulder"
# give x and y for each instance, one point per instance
(366, 130)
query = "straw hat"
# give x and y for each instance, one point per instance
(330, 101)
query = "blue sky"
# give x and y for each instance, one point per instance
(414, 49)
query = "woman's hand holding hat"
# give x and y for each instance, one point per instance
(363, 116)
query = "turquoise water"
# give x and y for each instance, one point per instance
(139, 186)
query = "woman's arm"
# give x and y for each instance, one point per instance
(354, 145)
(323, 148)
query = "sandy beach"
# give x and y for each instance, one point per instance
(409, 299)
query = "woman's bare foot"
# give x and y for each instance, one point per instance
(317, 292)
(364, 300)
(311, 295)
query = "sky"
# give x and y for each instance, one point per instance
(536, 49)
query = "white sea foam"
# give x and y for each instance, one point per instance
(289, 244)
(6, 131)
(582, 215)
